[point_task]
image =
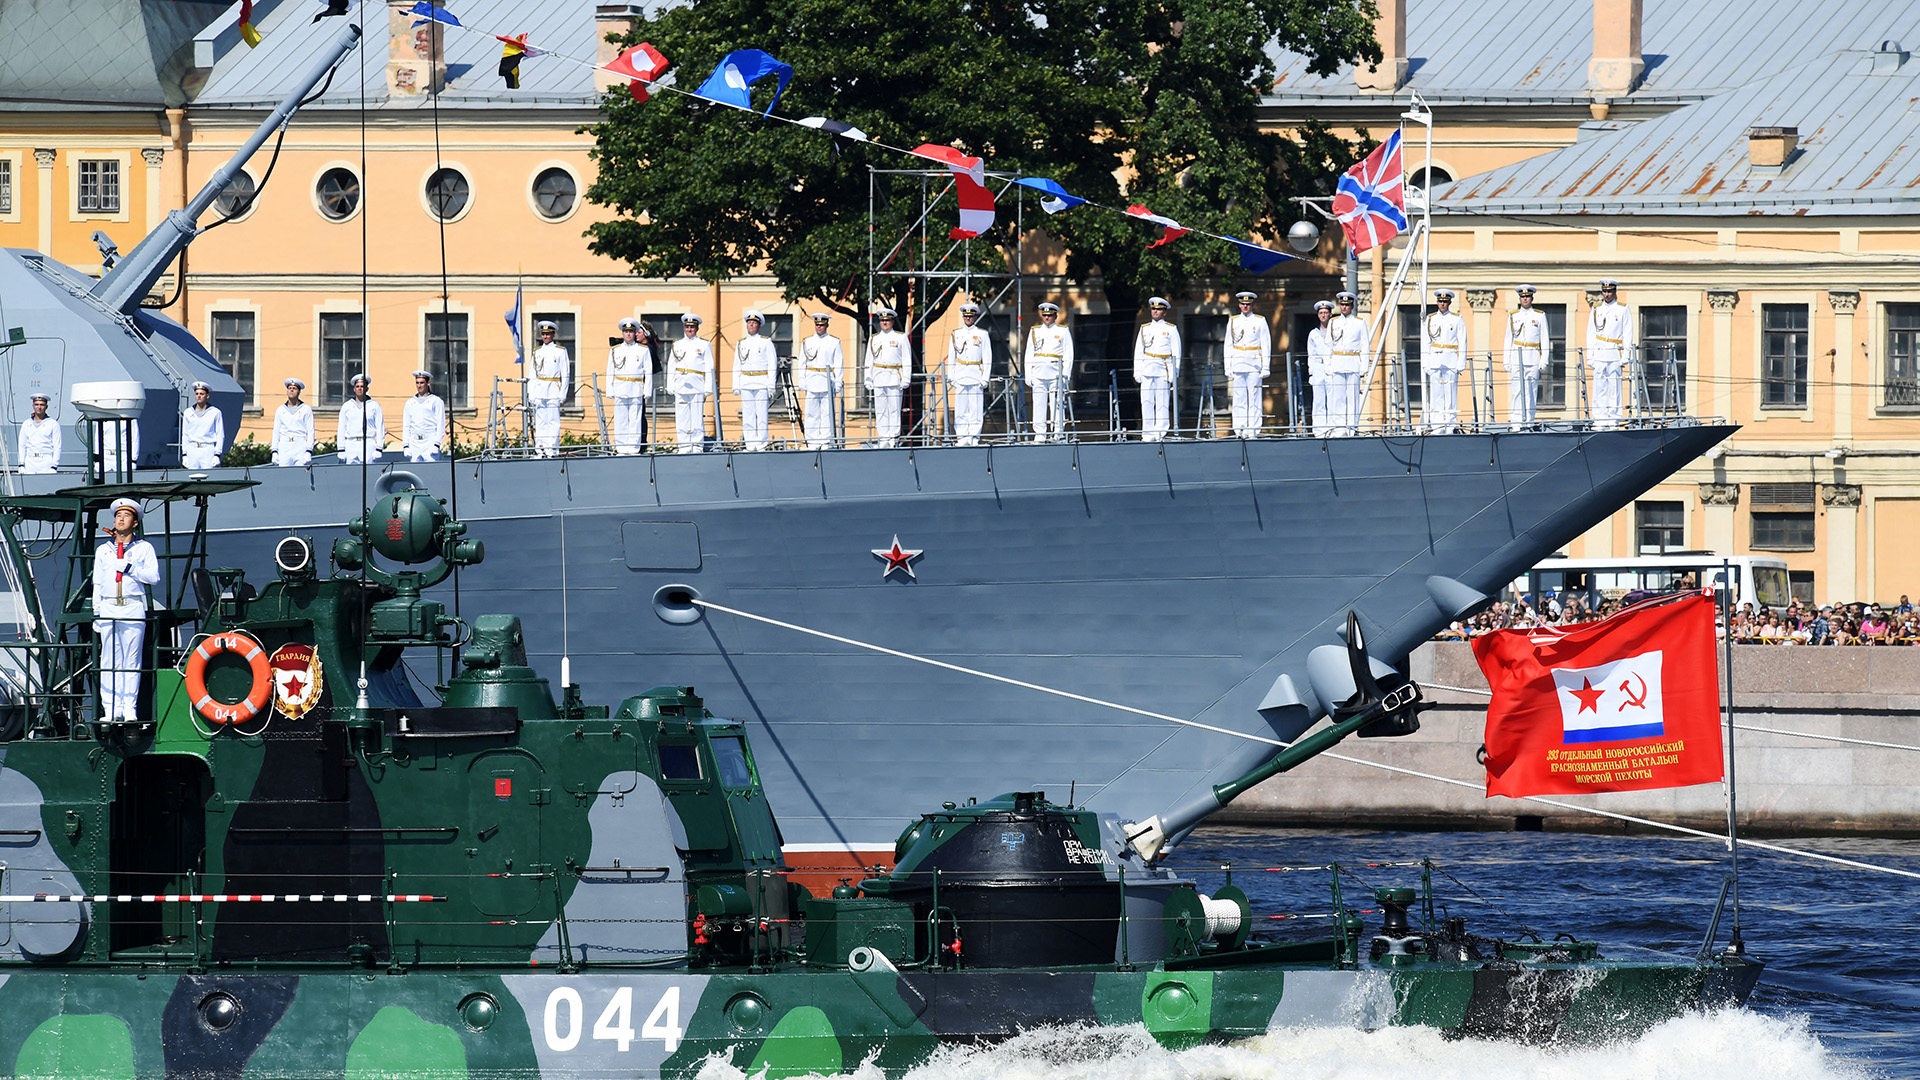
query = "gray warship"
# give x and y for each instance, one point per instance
(1201, 580)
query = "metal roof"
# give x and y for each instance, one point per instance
(1521, 51)
(68, 53)
(1858, 153)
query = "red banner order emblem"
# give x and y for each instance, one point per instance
(1624, 704)
(296, 679)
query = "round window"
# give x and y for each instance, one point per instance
(338, 192)
(554, 193)
(237, 197)
(447, 193)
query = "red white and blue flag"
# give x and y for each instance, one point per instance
(1368, 203)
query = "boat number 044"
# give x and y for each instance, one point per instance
(566, 1019)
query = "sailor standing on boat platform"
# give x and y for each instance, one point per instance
(1249, 362)
(1319, 364)
(690, 380)
(123, 567)
(889, 365)
(1156, 367)
(823, 367)
(630, 385)
(1049, 359)
(1443, 354)
(203, 431)
(293, 429)
(547, 389)
(1525, 357)
(362, 429)
(40, 440)
(423, 421)
(755, 363)
(1609, 346)
(969, 365)
(1346, 366)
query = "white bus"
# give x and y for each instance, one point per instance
(1757, 579)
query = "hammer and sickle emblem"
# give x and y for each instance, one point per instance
(1639, 702)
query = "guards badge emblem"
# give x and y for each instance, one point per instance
(296, 679)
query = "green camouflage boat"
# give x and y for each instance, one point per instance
(292, 863)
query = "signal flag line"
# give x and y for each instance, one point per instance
(222, 898)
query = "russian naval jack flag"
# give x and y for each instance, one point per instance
(1624, 704)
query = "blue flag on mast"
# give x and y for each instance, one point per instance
(1256, 259)
(513, 324)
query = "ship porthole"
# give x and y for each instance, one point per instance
(747, 1013)
(1170, 1002)
(675, 604)
(219, 1010)
(478, 1011)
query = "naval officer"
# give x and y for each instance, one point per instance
(1319, 363)
(1249, 361)
(823, 369)
(630, 385)
(1346, 365)
(362, 428)
(690, 379)
(203, 431)
(889, 365)
(423, 421)
(293, 429)
(1049, 360)
(1525, 356)
(40, 439)
(1609, 346)
(123, 567)
(1443, 353)
(547, 389)
(755, 363)
(1156, 368)
(969, 365)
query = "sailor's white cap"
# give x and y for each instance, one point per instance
(690, 318)
(198, 385)
(41, 397)
(1323, 305)
(629, 324)
(969, 308)
(1609, 283)
(822, 317)
(750, 315)
(1443, 294)
(1345, 297)
(360, 378)
(1246, 295)
(546, 325)
(124, 504)
(1048, 307)
(1158, 302)
(883, 312)
(295, 382)
(1523, 290)
(422, 373)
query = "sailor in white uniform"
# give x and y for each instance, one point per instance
(203, 431)
(1443, 354)
(1049, 361)
(889, 366)
(823, 369)
(40, 439)
(123, 567)
(1525, 356)
(362, 428)
(630, 385)
(293, 429)
(1609, 349)
(1319, 365)
(969, 365)
(1347, 366)
(547, 386)
(1156, 367)
(690, 379)
(423, 422)
(1249, 362)
(755, 365)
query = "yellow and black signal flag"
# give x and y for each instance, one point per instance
(513, 50)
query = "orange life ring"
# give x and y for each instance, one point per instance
(247, 649)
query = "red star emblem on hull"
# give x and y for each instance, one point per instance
(897, 558)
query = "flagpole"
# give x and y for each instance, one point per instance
(1726, 708)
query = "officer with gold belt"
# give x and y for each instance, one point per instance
(1443, 354)
(889, 366)
(1048, 362)
(630, 385)
(1609, 350)
(1156, 368)
(1525, 357)
(969, 365)
(1346, 365)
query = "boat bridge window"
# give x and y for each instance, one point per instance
(730, 757)
(679, 761)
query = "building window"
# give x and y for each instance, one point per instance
(99, 187)
(1204, 366)
(1553, 381)
(236, 198)
(1903, 354)
(1782, 517)
(447, 357)
(1663, 357)
(6, 185)
(554, 193)
(447, 193)
(233, 345)
(343, 353)
(564, 336)
(779, 330)
(338, 193)
(1410, 348)
(1800, 585)
(1783, 330)
(1660, 527)
(665, 327)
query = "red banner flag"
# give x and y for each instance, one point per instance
(1624, 704)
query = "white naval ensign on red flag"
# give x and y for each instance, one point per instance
(1624, 704)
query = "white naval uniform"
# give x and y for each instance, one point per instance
(1049, 360)
(1346, 371)
(969, 365)
(1443, 355)
(203, 432)
(690, 379)
(1156, 367)
(121, 574)
(630, 385)
(423, 423)
(823, 368)
(1609, 347)
(755, 364)
(889, 366)
(40, 445)
(1525, 358)
(354, 448)
(293, 435)
(1319, 364)
(546, 390)
(1249, 362)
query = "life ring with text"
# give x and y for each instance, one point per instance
(245, 647)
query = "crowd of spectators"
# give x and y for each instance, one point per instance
(1857, 623)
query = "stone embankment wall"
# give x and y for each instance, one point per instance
(1787, 785)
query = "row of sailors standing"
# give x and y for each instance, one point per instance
(361, 429)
